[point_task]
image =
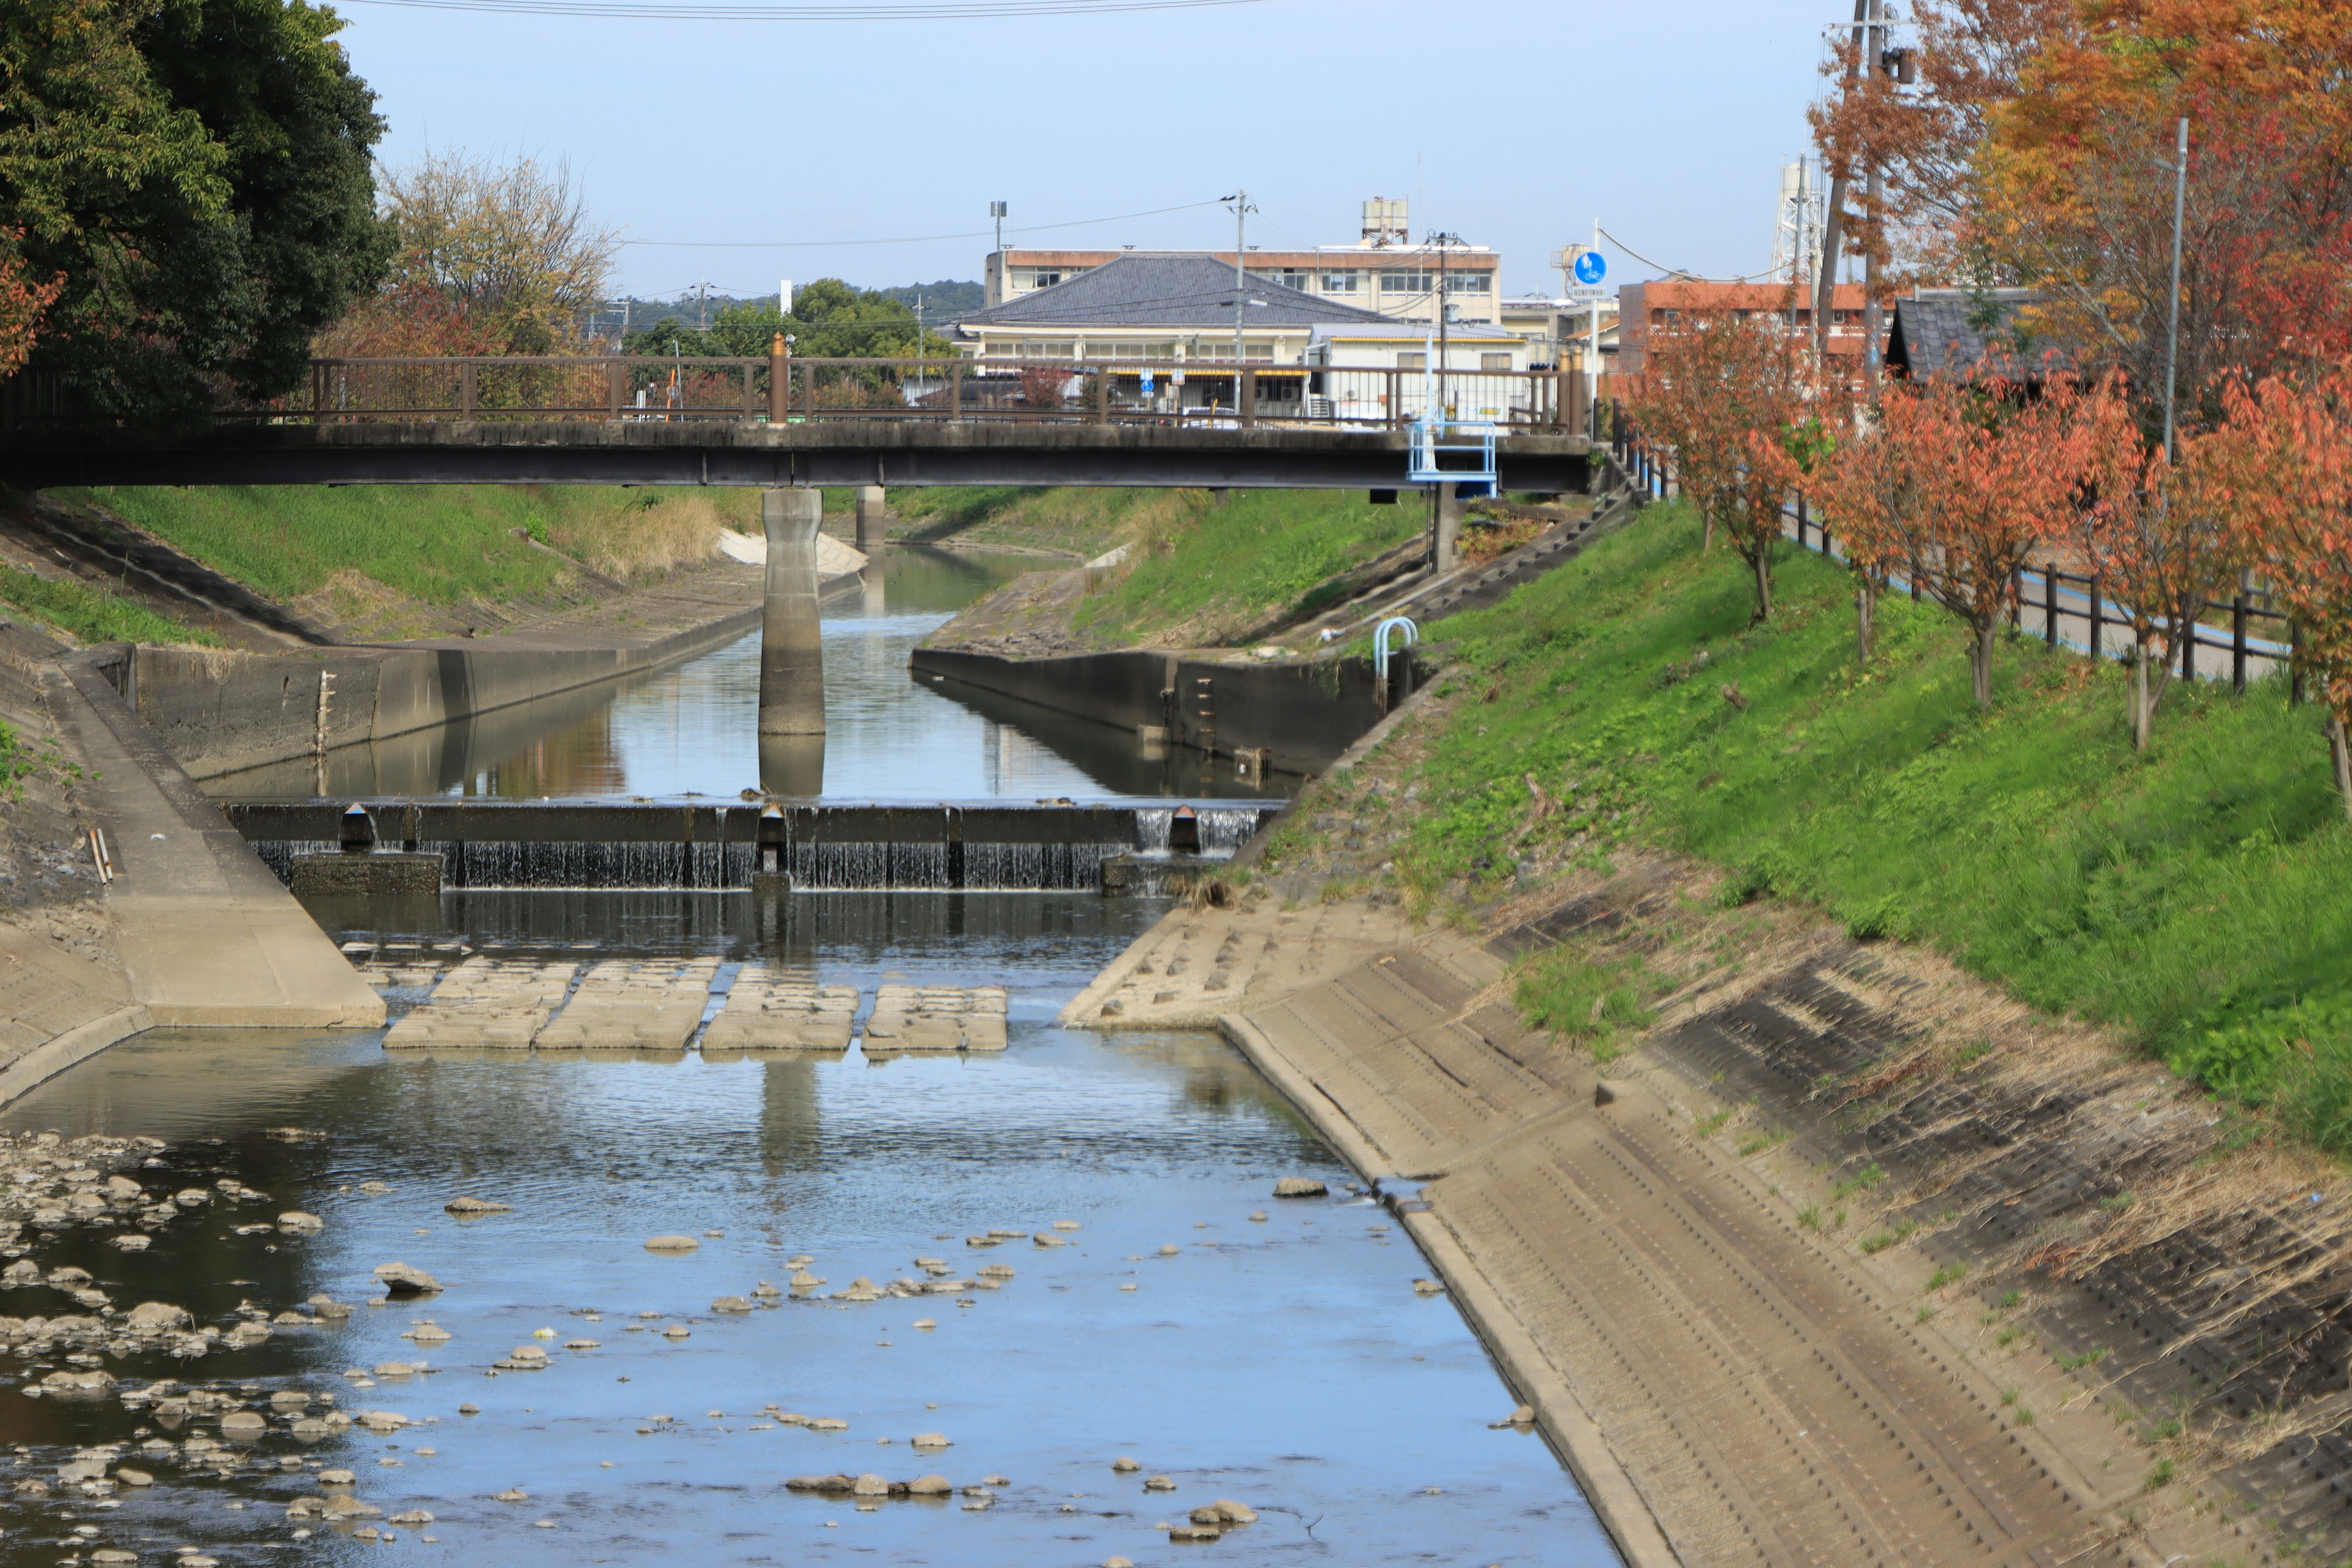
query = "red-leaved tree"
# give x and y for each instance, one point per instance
(24, 301)
(1729, 392)
(1997, 473)
(2152, 538)
(2280, 471)
(1869, 496)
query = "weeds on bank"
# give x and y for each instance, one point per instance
(2189, 894)
(92, 614)
(1594, 1002)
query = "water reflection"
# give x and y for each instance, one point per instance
(694, 728)
(1286, 1362)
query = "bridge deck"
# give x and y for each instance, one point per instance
(867, 451)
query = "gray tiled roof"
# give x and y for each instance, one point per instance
(1946, 332)
(1181, 291)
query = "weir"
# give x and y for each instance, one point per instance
(532, 845)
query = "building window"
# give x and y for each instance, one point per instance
(1025, 279)
(1469, 283)
(1288, 277)
(1348, 282)
(1404, 282)
(1415, 360)
(1494, 361)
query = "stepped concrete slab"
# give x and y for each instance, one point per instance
(207, 936)
(936, 1018)
(1728, 1386)
(486, 1002)
(634, 1004)
(769, 1011)
(1196, 964)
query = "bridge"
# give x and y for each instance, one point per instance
(781, 421)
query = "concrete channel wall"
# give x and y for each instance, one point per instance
(1304, 713)
(219, 712)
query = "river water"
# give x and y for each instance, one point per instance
(1271, 1351)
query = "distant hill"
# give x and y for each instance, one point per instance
(942, 301)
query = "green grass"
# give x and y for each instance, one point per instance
(1084, 521)
(439, 544)
(93, 614)
(1260, 552)
(1596, 1003)
(2191, 894)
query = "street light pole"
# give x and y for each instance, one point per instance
(2172, 330)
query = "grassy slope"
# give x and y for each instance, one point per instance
(2193, 895)
(1223, 568)
(91, 614)
(436, 544)
(1081, 521)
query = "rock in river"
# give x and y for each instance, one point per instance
(400, 1280)
(466, 1206)
(929, 1486)
(672, 1244)
(1299, 1187)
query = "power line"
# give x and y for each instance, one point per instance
(921, 11)
(1678, 271)
(902, 239)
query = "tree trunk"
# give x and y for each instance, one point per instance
(1763, 562)
(1865, 606)
(1981, 661)
(2338, 743)
(2140, 714)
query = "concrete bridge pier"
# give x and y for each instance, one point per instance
(871, 501)
(791, 655)
(792, 765)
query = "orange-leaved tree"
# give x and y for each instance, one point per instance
(2152, 538)
(1869, 499)
(24, 301)
(2280, 471)
(1997, 471)
(1729, 392)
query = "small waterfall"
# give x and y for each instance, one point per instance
(1021, 850)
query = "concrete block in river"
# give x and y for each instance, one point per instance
(630, 1004)
(792, 652)
(385, 874)
(936, 1018)
(767, 1011)
(486, 1002)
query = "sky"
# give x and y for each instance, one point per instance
(1513, 123)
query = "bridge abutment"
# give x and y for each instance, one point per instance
(791, 655)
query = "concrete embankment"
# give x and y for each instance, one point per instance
(1848, 1258)
(1302, 712)
(220, 712)
(191, 930)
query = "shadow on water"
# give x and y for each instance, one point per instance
(1285, 1361)
(694, 729)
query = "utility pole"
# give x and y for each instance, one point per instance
(1239, 201)
(1873, 191)
(702, 306)
(918, 326)
(1004, 272)
(1832, 226)
(2172, 330)
(1441, 239)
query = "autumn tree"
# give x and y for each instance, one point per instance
(2280, 472)
(1997, 473)
(1866, 491)
(2077, 184)
(2152, 538)
(1727, 392)
(24, 301)
(509, 250)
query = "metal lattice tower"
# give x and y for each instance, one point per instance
(1797, 228)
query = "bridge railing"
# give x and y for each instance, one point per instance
(792, 389)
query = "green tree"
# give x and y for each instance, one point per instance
(198, 171)
(829, 319)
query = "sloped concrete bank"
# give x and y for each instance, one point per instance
(186, 927)
(1848, 1258)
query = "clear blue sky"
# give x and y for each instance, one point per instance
(1514, 122)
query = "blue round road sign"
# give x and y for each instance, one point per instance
(1591, 266)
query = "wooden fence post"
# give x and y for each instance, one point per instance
(2098, 616)
(2050, 605)
(467, 390)
(2238, 640)
(955, 390)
